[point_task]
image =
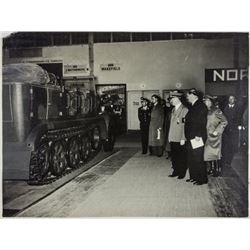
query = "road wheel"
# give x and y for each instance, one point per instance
(96, 139)
(85, 147)
(74, 151)
(43, 158)
(57, 158)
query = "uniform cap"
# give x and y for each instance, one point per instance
(212, 98)
(193, 91)
(175, 93)
(144, 100)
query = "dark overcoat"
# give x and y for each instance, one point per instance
(196, 121)
(156, 133)
(195, 126)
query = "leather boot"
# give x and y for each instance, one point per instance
(219, 167)
(216, 169)
(209, 167)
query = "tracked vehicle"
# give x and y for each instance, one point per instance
(50, 129)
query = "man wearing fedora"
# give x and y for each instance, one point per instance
(176, 135)
(195, 130)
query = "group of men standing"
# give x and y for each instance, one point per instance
(187, 127)
(187, 133)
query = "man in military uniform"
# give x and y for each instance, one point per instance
(176, 135)
(144, 118)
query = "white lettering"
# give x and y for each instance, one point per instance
(232, 75)
(243, 74)
(222, 76)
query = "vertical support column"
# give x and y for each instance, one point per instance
(70, 38)
(91, 70)
(91, 53)
(236, 53)
(111, 37)
(150, 36)
(51, 39)
(131, 37)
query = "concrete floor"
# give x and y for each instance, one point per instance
(140, 188)
(129, 184)
(18, 195)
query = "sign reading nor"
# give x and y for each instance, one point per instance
(225, 75)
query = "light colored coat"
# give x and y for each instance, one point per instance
(216, 121)
(177, 122)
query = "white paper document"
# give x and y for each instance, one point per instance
(197, 144)
(158, 134)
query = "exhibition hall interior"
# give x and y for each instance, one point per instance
(125, 124)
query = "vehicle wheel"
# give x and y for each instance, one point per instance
(85, 147)
(43, 159)
(109, 143)
(57, 158)
(74, 150)
(96, 139)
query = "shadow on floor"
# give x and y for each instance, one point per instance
(132, 139)
(229, 192)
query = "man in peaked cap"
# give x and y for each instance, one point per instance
(176, 135)
(195, 129)
(144, 118)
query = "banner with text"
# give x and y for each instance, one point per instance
(226, 75)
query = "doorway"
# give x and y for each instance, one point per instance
(133, 105)
(55, 68)
(113, 97)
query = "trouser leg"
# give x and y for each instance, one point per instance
(217, 168)
(190, 161)
(209, 166)
(174, 153)
(182, 161)
(179, 158)
(144, 139)
(200, 170)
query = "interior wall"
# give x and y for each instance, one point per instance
(148, 65)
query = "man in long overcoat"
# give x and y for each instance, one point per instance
(195, 128)
(231, 133)
(156, 133)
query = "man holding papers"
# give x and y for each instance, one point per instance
(195, 132)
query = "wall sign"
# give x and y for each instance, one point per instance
(110, 67)
(40, 61)
(75, 69)
(226, 75)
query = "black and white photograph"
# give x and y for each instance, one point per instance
(125, 124)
